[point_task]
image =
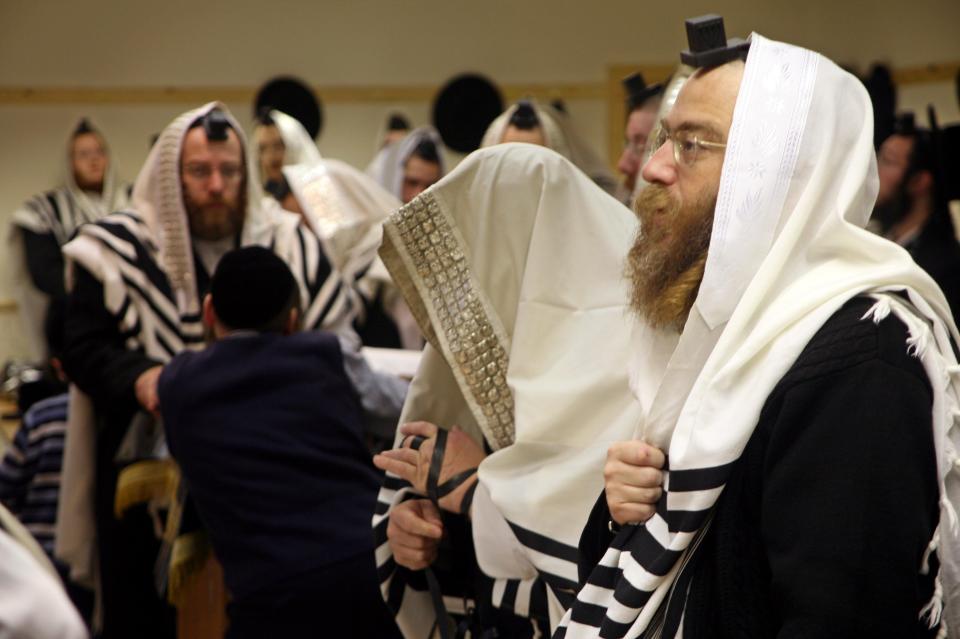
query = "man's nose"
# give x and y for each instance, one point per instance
(661, 167)
(215, 183)
(628, 163)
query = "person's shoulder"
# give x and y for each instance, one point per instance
(180, 366)
(852, 338)
(46, 411)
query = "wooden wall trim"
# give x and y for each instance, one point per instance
(329, 94)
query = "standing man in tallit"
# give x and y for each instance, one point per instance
(792, 474)
(752, 261)
(48, 220)
(136, 280)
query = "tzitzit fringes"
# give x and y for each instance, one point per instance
(931, 548)
(934, 608)
(879, 311)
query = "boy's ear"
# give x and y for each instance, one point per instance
(293, 322)
(209, 314)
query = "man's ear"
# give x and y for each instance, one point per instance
(921, 183)
(293, 322)
(209, 314)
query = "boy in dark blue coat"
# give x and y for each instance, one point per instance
(267, 429)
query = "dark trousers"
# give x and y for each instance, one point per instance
(340, 600)
(128, 553)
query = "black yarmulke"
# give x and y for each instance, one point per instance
(398, 122)
(250, 287)
(293, 97)
(464, 108)
(638, 91)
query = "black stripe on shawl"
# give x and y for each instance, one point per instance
(561, 586)
(143, 261)
(165, 346)
(699, 478)
(539, 607)
(170, 323)
(51, 197)
(544, 544)
(588, 614)
(509, 600)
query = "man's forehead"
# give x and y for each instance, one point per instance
(707, 99)
(196, 143)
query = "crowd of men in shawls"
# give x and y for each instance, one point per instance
(513, 398)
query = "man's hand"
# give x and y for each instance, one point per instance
(146, 389)
(632, 479)
(413, 465)
(414, 533)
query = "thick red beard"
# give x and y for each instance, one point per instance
(209, 224)
(666, 262)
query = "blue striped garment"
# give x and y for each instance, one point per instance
(30, 471)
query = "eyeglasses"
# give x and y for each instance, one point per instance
(686, 145)
(203, 172)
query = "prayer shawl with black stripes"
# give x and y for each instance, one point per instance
(788, 249)
(144, 260)
(58, 212)
(513, 265)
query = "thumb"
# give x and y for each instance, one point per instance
(430, 513)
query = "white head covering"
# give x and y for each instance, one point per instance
(344, 207)
(388, 165)
(520, 292)
(553, 135)
(561, 136)
(299, 147)
(158, 199)
(788, 250)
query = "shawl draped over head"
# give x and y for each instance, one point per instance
(561, 136)
(344, 207)
(388, 166)
(788, 249)
(513, 265)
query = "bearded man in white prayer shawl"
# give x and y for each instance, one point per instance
(533, 123)
(793, 471)
(136, 279)
(513, 265)
(48, 220)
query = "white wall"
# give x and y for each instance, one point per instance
(113, 44)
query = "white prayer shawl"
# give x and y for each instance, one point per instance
(144, 260)
(388, 165)
(561, 136)
(35, 604)
(58, 212)
(344, 207)
(788, 250)
(583, 155)
(513, 265)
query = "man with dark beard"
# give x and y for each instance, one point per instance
(911, 211)
(136, 279)
(786, 361)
